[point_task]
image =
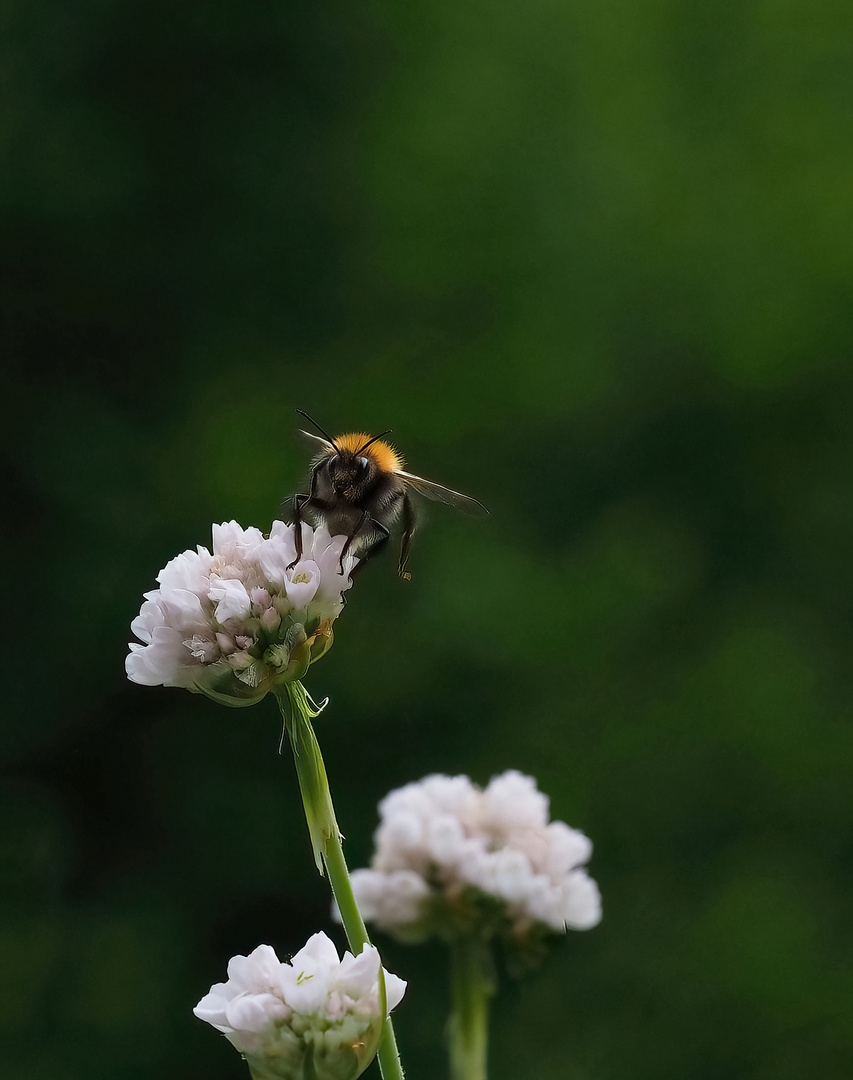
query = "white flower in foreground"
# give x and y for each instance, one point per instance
(233, 622)
(451, 856)
(314, 1016)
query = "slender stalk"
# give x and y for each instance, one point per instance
(472, 985)
(388, 1055)
(297, 710)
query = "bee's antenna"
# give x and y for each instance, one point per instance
(373, 439)
(325, 434)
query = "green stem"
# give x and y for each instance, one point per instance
(297, 710)
(472, 985)
(388, 1055)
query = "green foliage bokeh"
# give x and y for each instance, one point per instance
(592, 263)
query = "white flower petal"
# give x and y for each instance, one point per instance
(259, 971)
(230, 597)
(212, 1007)
(189, 570)
(302, 582)
(394, 990)
(512, 801)
(357, 974)
(319, 948)
(163, 661)
(392, 899)
(234, 543)
(445, 839)
(566, 848)
(582, 904)
(277, 554)
(305, 982)
(255, 1012)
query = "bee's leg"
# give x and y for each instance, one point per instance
(297, 506)
(409, 522)
(296, 513)
(373, 537)
(348, 544)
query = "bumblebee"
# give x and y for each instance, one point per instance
(359, 489)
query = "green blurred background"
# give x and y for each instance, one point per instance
(592, 262)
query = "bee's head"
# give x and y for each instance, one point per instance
(354, 462)
(352, 475)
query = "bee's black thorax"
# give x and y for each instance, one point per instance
(344, 488)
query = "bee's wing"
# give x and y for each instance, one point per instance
(444, 495)
(318, 445)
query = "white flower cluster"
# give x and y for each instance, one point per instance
(315, 1016)
(232, 622)
(451, 856)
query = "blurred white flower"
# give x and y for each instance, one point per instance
(314, 1016)
(233, 622)
(451, 856)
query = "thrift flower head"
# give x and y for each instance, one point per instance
(452, 857)
(233, 622)
(314, 1016)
